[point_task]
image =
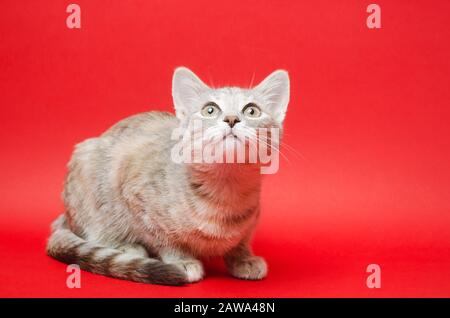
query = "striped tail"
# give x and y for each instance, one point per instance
(69, 248)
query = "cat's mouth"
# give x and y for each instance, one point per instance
(230, 136)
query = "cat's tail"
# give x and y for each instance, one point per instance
(69, 248)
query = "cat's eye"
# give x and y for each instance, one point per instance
(252, 110)
(210, 110)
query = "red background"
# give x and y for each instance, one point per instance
(368, 181)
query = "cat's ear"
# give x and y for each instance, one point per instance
(186, 89)
(275, 90)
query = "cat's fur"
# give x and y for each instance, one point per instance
(133, 213)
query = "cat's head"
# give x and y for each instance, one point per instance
(230, 112)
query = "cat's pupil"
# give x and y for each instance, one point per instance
(210, 110)
(252, 111)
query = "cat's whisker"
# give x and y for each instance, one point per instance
(276, 149)
(211, 82)
(259, 140)
(287, 147)
(293, 151)
(251, 81)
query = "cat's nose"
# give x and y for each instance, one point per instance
(231, 120)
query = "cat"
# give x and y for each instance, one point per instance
(132, 213)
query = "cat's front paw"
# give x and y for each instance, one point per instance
(193, 270)
(252, 268)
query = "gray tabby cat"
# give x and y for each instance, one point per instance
(135, 214)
